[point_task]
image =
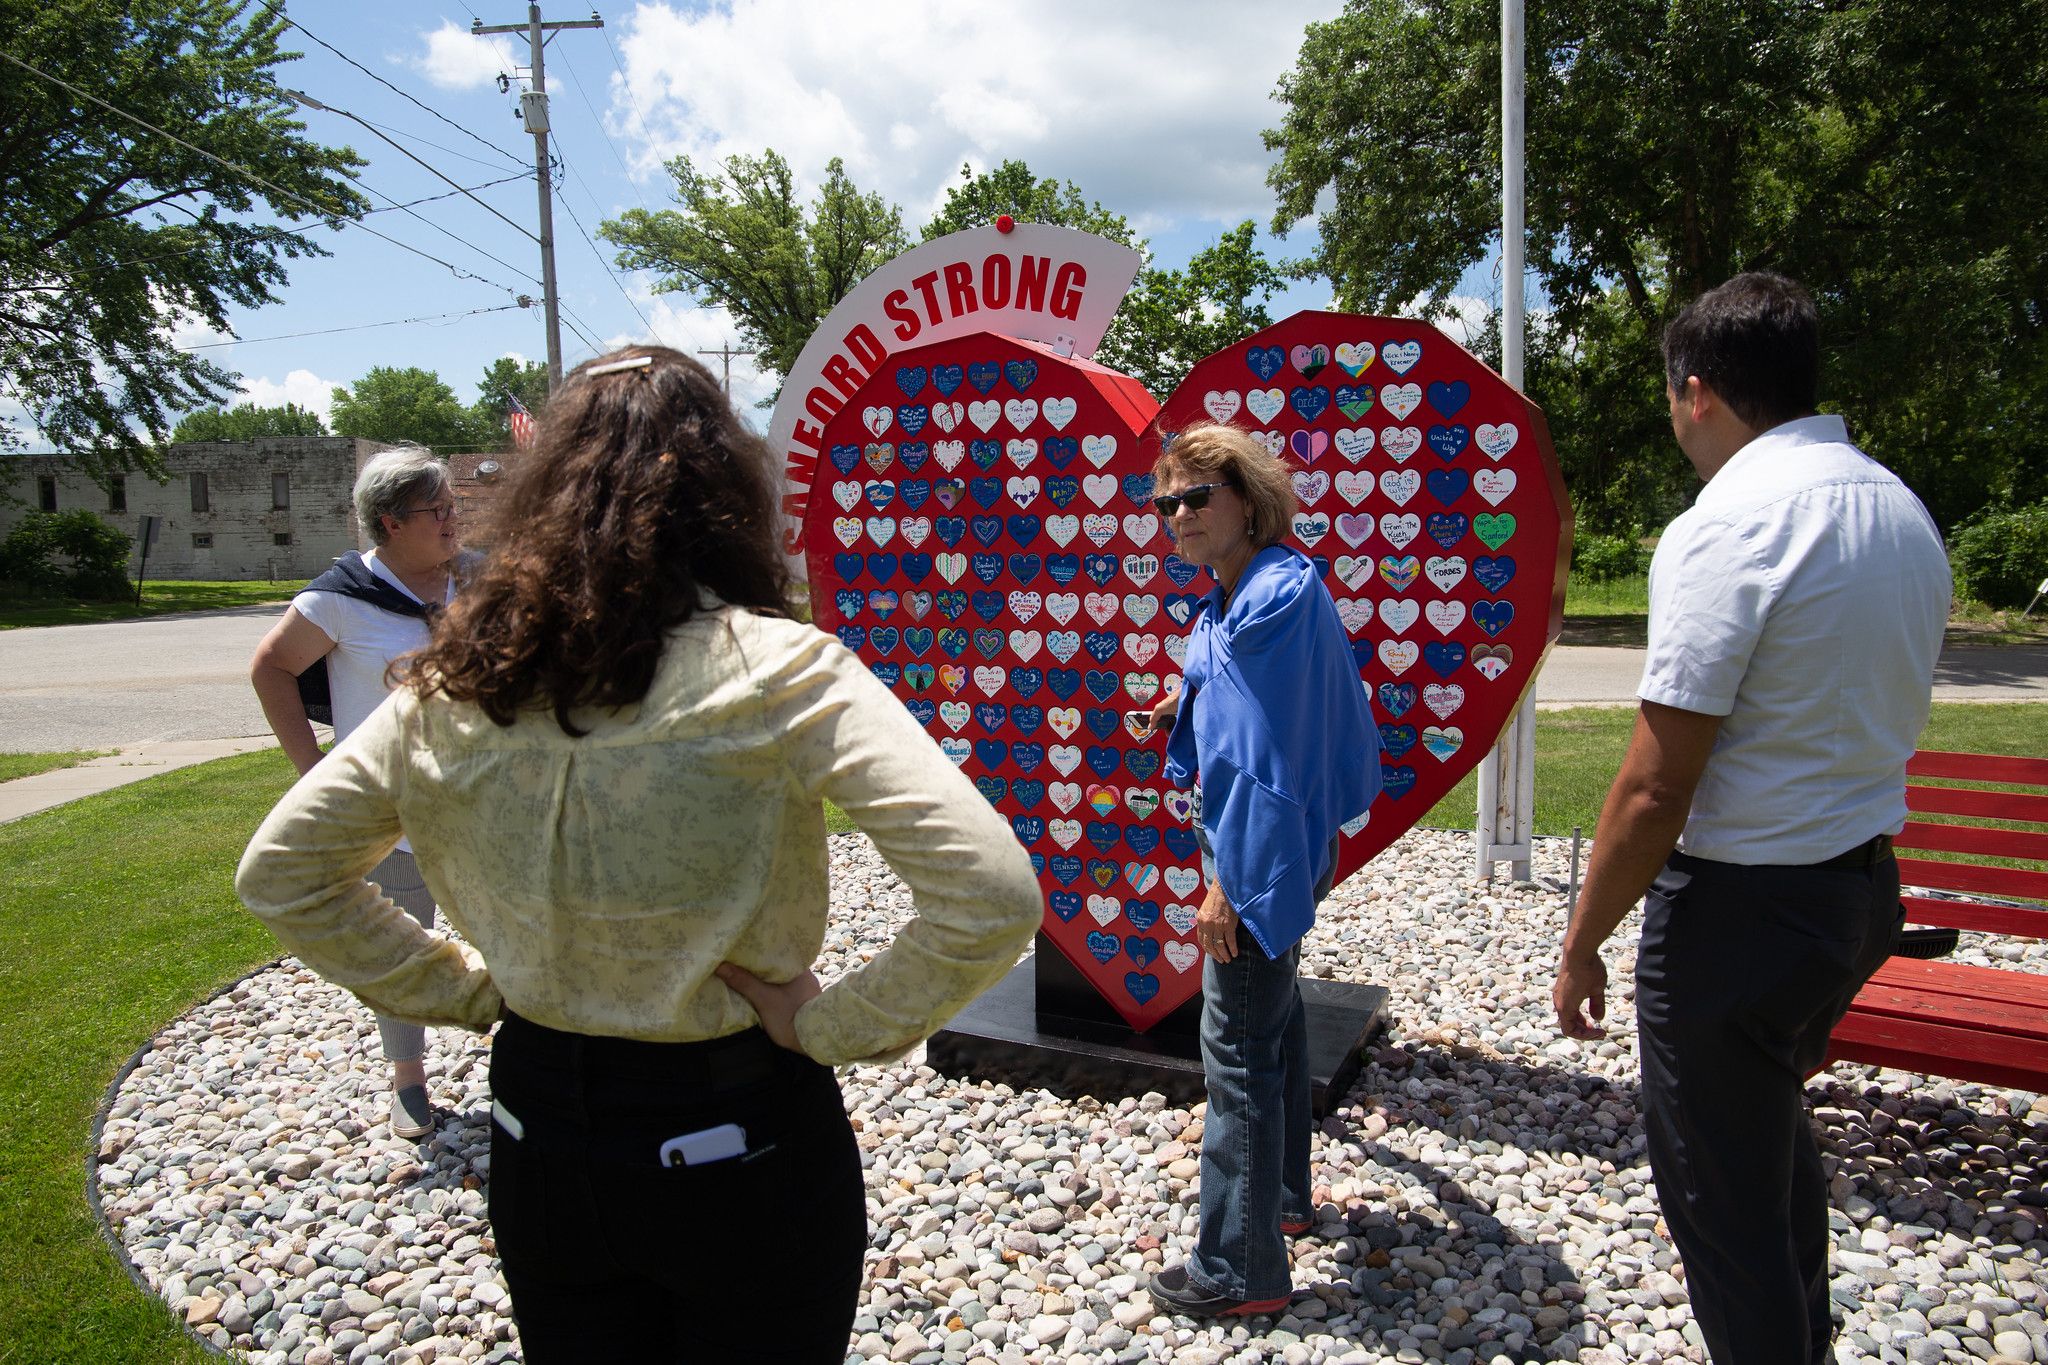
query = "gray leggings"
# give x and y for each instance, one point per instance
(399, 876)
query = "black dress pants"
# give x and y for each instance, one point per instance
(611, 1256)
(1742, 974)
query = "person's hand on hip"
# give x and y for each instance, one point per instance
(775, 1002)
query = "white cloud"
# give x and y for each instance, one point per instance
(1154, 110)
(302, 387)
(457, 59)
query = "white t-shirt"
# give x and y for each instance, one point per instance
(1803, 598)
(366, 640)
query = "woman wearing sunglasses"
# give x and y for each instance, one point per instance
(1272, 729)
(613, 761)
(353, 623)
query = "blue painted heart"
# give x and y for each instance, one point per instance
(1065, 868)
(882, 566)
(1029, 829)
(983, 374)
(847, 566)
(916, 567)
(914, 454)
(1397, 699)
(1180, 571)
(1397, 740)
(1022, 374)
(853, 637)
(1026, 567)
(946, 378)
(991, 788)
(1395, 780)
(1493, 571)
(1447, 443)
(1142, 914)
(985, 453)
(1064, 682)
(910, 379)
(1492, 617)
(1027, 793)
(1265, 361)
(1444, 657)
(1102, 947)
(1060, 451)
(1142, 986)
(1309, 400)
(844, 458)
(890, 674)
(1065, 904)
(1449, 398)
(1447, 528)
(1027, 681)
(1141, 949)
(1063, 568)
(1448, 485)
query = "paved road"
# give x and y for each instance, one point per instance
(186, 678)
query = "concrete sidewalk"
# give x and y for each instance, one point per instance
(27, 795)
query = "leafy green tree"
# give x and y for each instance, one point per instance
(741, 241)
(246, 422)
(1859, 147)
(408, 405)
(1173, 318)
(110, 233)
(489, 417)
(1013, 189)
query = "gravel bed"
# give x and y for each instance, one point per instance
(1483, 1189)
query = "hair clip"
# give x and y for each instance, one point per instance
(637, 362)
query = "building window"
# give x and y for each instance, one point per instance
(202, 540)
(281, 538)
(117, 495)
(280, 491)
(46, 493)
(200, 501)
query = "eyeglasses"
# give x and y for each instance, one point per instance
(442, 511)
(1195, 498)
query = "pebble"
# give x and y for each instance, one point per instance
(1482, 1191)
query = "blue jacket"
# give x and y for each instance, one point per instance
(1275, 721)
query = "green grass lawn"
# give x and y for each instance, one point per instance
(1578, 751)
(1618, 613)
(118, 914)
(157, 599)
(28, 765)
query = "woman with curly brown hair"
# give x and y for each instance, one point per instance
(611, 762)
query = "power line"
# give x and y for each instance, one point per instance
(627, 82)
(333, 215)
(360, 327)
(274, 7)
(433, 170)
(429, 142)
(450, 194)
(577, 81)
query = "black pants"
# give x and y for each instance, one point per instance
(611, 1256)
(1742, 974)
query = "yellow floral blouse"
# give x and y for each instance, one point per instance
(602, 878)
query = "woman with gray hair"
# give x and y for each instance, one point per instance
(354, 621)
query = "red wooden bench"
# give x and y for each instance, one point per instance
(1948, 1018)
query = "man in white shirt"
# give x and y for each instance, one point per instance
(1795, 614)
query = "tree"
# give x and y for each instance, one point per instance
(741, 241)
(1173, 318)
(1857, 146)
(111, 233)
(1013, 189)
(528, 380)
(246, 422)
(409, 406)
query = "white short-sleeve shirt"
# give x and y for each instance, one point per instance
(1802, 598)
(366, 640)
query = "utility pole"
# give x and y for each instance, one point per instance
(533, 110)
(727, 353)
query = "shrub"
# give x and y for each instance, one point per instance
(1600, 558)
(2001, 555)
(74, 553)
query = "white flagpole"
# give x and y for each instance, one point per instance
(1507, 776)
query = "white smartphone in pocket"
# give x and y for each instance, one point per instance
(722, 1143)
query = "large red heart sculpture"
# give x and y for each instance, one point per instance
(982, 536)
(1432, 499)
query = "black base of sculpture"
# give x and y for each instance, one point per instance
(1044, 1025)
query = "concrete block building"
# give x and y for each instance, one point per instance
(278, 507)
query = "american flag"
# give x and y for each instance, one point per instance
(520, 420)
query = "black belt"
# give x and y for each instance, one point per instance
(1869, 853)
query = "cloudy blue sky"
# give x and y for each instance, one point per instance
(1153, 108)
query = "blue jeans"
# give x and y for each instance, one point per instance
(1255, 1141)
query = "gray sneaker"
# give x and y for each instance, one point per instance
(411, 1115)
